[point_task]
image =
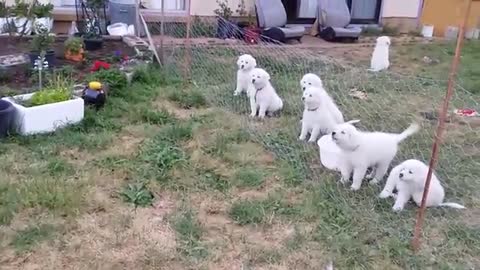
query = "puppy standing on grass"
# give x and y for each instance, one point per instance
(316, 118)
(246, 63)
(380, 54)
(409, 179)
(312, 80)
(263, 97)
(367, 149)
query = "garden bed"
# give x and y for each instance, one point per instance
(18, 79)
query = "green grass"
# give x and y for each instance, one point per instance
(189, 234)
(27, 238)
(245, 212)
(188, 99)
(248, 177)
(137, 194)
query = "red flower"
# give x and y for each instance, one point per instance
(97, 65)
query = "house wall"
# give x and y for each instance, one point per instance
(444, 13)
(400, 8)
(206, 7)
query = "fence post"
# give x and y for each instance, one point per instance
(440, 128)
(162, 32)
(188, 58)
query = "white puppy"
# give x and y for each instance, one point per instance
(316, 118)
(380, 54)
(263, 97)
(312, 80)
(367, 149)
(409, 179)
(246, 63)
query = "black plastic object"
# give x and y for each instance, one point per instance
(94, 97)
(6, 117)
(275, 34)
(49, 57)
(93, 44)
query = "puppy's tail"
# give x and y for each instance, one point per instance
(412, 129)
(452, 205)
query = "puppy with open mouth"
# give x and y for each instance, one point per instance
(367, 149)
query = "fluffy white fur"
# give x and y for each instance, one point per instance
(246, 63)
(380, 56)
(312, 80)
(317, 119)
(263, 97)
(363, 150)
(409, 179)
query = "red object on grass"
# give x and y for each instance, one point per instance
(97, 65)
(252, 35)
(466, 112)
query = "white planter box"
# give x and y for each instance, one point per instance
(45, 118)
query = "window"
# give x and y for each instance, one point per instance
(169, 5)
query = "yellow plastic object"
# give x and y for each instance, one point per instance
(95, 85)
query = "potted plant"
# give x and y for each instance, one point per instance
(42, 43)
(22, 13)
(4, 13)
(224, 13)
(251, 31)
(43, 16)
(49, 109)
(74, 49)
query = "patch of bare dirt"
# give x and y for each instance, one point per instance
(180, 113)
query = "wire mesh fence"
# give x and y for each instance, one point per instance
(392, 102)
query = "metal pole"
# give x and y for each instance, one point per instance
(162, 32)
(440, 129)
(188, 45)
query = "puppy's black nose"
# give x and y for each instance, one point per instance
(253, 80)
(243, 66)
(333, 133)
(401, 175)
(303, 98)
(304, 88)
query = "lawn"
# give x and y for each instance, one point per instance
(176, 176)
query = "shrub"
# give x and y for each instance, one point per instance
(115, 79)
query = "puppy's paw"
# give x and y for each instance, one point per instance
(374, 181)
(370, 175)
(311, 140)
(384, 194)
(343, 180)
(397, 208)
(236, 93)
(302, 138)
(354, 187)
(252, 115)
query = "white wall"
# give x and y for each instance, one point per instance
(206, 7)
(400, 8)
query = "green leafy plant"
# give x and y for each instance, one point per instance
(223, 10)
(42, 41)
(42, 10)
(4, 10)
(23, 9)
(114, 78)
(58, 89)
(74, 44)
(137, 194)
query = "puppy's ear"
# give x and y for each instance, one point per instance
(267, 76)
(254, 62)
(352, 122)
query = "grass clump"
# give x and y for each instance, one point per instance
(258, 211)
(248, 177)
(188, 99)
(189, 233)
(160, 117)
(29, 237)
(137, 194)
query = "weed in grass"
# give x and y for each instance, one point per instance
(160, 117)
(248, 177)
(137, 194)
(188, 99)
(57, 166)
(189, 233)
(178, 132)
(27, 238)
(158, 156)
(215, 181)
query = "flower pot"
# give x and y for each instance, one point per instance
(6, 116)
(23, 25)
(76, 57)
(252, 35)
(49, 57)
(93, 44)
(45, 22)
(45, 118)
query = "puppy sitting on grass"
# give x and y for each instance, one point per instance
(317, 118)
(312, 80)
(380, 54)
(409, 179)
(367, 149)
(263, 97)
(246, 63)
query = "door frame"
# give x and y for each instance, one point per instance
(378, 10)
